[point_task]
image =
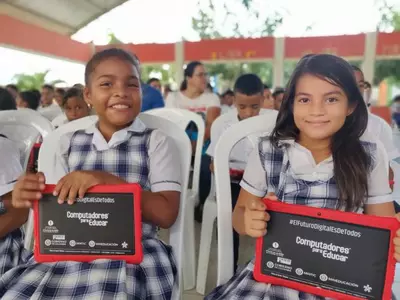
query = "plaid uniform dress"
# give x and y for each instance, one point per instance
(282, 179)
(12, 251)
(154, 278)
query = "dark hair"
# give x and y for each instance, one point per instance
(72, 92)
(228, 93)
(396, 98)
(107, 54)
(249, 84)
(31, 98)
(151, 80)
(351, 161)
(7, 101)
(13, 87)
(37, 93)
(266, 86)
(48, 86)
(189, 70)
(78, 86)
(367, 84)
(60, 91)
(278, 91)
(357, 69)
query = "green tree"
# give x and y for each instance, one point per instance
(390, 21)
(205, 25)
(33, 81)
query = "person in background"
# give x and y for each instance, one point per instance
(152, 98)
(59, 96)
(13, 89)
(268, 99)
(378, 127)
(396, 110)
(12, 252)
(7, 101)
(28, 99)
(74, 105)
(278, 95)
(37, 93)
(367, 93)
(167, 90)
(249, 98)
(227, 101)
(78, 86)
(155, 83)
(47, 107)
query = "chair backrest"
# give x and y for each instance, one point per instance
(59, 120)
(183, 117)
(256, 126)
(47, 158)
(24, 127)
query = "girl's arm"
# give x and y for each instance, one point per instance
(13, 218)
(382, 210)
(238, 216)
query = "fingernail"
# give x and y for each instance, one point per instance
(70, 202)
(38, 195)
(60, 201)
(42, 186)
(55, 193)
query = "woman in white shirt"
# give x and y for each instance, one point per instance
(193, 96)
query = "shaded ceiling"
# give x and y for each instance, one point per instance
(62, 16)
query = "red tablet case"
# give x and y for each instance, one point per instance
(358, 219)
(136, 258)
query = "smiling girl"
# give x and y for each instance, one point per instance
(314, 157)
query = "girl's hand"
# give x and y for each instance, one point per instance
(28, 188)
(256, 217)
(76, 184)
(396, 242)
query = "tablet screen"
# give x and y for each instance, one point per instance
(99, 224)
(336, 256)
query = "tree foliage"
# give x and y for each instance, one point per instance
(35, 81)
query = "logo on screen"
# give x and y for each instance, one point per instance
(270, 264)
(323, 277)
(275, 245)
(299, 271)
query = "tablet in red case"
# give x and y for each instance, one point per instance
(326, 252)
(106, 223)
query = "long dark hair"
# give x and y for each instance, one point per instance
(351, 161)
(189, 70)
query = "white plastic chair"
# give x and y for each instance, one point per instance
(59, 120)
(47, 158)
(183, 118)
(24, 127)
(256, 126)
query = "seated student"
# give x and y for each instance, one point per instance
(59, 96)
(74, 105)
(378, 127)
(7, 101)
(278, 97)
(13, 89)
(227, 101)
(47, 107)
(269, 102)
(116, 150)
(12, 251)
(154, 83)
(248, 100)
(28, 99)
(315, 157)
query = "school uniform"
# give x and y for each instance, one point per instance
(137, 155)
(292, 174)
(12, 252)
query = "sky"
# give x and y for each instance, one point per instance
(162, 21)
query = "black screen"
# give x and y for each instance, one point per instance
(99, 224)
(335, 256)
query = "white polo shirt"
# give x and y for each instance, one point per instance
(10, 165)
(50, 112)
(164, 163)
(198, 105)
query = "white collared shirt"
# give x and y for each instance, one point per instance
(304, 167)
(164, 163)
(10, 166)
